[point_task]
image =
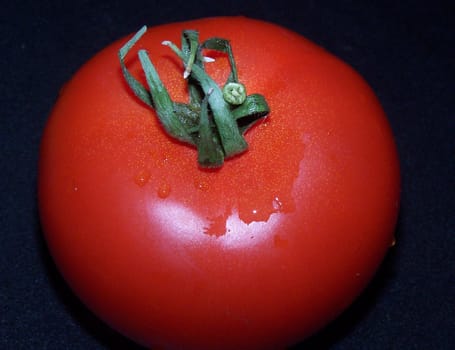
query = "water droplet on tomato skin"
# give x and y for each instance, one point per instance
(164, 191)
(74, 187)
(277, 204)
(264, 125)
(201, 185)
(142, 178)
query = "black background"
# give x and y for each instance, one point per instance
(404, 49)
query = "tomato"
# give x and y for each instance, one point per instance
(257, 254)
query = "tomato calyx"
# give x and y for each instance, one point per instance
(215, 119)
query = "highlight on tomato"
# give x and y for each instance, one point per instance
(221, 183)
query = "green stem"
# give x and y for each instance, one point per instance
(232, 141)
(162, 102)
(210, 153)
(214, 120)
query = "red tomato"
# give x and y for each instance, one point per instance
(258, 254)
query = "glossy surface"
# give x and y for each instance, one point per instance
(256, 255)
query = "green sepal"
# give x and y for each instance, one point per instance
(214, 126)
(210, 153)
(191, 54)
(231, 139)
(224, 46)
(250, 112)
(162, 102)
(188, 115)
(139, 90)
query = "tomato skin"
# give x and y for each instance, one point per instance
(256, 255)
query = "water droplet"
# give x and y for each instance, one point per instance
(263, 125)
(201, 185)
(165, 158)
(142, 178)
(277, 204)
(164, 190)
(75, 186)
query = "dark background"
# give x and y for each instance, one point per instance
(404, 49)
